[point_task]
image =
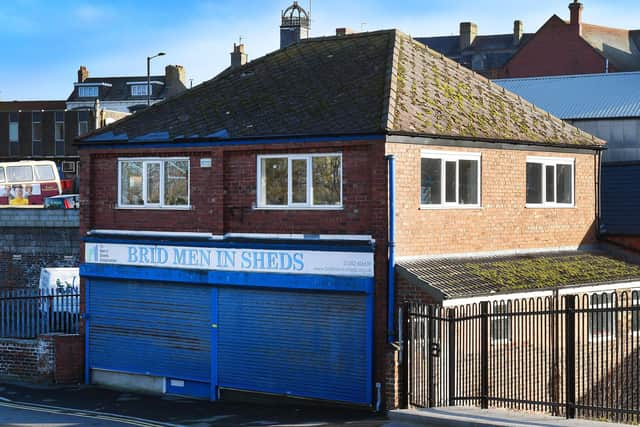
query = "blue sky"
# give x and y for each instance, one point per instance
(44, 42)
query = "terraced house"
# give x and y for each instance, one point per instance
(244, 235)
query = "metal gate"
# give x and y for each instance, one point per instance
(574, 356)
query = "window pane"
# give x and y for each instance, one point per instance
(59, 148)
(83, 127)
(139, 90)
(550, 190)
(131, 183)
(176, 182)
(327, 181)
(635, 315)
(450, 180)
(274, 181)
(468, 181)
(564, 183)
(1, 174)
(13, 131)
(19, 173)
(299, 181)
(59, 116)
(59, 131)
(45, 173)
(534, 183)
(430, 181)
(36, 130)
(153, 183)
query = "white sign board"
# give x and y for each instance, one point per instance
(354, 264)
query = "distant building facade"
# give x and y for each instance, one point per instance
(125, 94)
(559, 47)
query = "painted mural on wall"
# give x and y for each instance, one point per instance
(20, 194)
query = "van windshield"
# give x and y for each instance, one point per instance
(19, 173)
(45, 173)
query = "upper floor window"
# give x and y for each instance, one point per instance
(139, 90)
(83, 122)
(13, 127)
(36, 133)
(87, 91)
(153, 182)
(300, 181)
(449, 179)
(550, 182)
(59, 133)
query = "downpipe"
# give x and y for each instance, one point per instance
(391, 299)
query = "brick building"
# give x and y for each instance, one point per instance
(559, 47)
(237, 236)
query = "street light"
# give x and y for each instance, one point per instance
(149, 58)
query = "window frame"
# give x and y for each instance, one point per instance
(14, 123)
(611, 334)
(635, 314)
(36, 142)
(501, 311)
(95, 91)
(444, 157)
(552, 161)
(149, 160)
(261, 193)
(55, 133)
(137, 86)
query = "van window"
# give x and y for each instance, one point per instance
(19, 173)
(45, 173)
(1, 174)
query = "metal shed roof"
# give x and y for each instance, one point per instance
(586, 96)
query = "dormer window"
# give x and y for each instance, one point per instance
(139, 90)
(88, 91)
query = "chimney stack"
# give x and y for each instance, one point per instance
(468, 34)
(83, 74)
(238, 57)
(518, 31)
(576, 14)
(343, 31)
(175, 79)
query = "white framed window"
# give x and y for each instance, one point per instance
(296, 181)
(87, 91)
(550, 182)
(36, 133)
(153, 183)
(139, 90)
(500, 326)
(59, 133)
(83, 122)
(450, 180)
(601, 317)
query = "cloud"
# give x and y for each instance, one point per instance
(89, 14)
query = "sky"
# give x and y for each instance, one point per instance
(43, 42)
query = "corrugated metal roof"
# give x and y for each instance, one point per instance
(587, 96)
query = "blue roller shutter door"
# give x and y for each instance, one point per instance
(305, 344)
(151, 328)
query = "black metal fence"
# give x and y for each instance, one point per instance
(27, 313)
(572, 356)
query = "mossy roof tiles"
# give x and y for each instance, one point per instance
(378, 82)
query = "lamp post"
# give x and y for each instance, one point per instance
(149, 58)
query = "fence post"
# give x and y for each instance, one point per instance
(405, 355)
(484, 355)
(570, 354)
(452, 356)
(429, 356)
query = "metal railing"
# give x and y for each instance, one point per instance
(572, 356)
(27, 313)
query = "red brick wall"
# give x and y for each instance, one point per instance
(503, 222)
(69, 359)
(556, 49)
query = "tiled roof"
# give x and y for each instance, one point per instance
(378, 82)
(617, 45)
(585, 96)
(117, 89)
(474, 277)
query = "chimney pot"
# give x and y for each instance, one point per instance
(83, 74)
(468, 34)
(238, 56)
(518, 31)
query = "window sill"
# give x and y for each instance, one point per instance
(530, 206)
(298, 208)
(154, 208)
(450, 207)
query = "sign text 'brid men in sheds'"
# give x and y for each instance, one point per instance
(226, 259)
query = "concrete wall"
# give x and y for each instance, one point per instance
(31, 239)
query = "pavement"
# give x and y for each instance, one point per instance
(475, 417)
(66, 406)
